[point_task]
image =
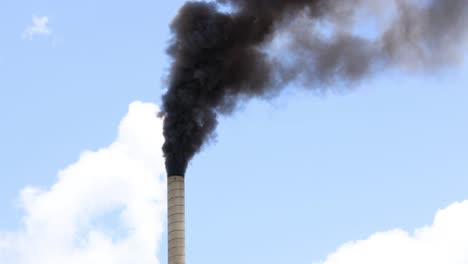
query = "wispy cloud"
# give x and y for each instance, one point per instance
(107, 207)
(445, 241)
(39, 27)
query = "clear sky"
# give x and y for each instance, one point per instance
(344, 178)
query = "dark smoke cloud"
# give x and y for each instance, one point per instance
(262, 45)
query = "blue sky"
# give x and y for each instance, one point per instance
(291, 180)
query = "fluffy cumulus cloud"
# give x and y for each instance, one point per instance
(39, 27)
(443, 242)
(108, 207)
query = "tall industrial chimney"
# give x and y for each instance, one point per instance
(176, 219)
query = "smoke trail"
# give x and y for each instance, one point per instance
(262, 45)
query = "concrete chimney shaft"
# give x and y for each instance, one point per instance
(176, 219)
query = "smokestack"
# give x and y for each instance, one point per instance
(176, 219)
(222, 58)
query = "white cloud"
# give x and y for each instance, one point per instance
(39, 27)
(108, 207)
(73, 220)
(443, 242)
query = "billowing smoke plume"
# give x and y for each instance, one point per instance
(262, 45)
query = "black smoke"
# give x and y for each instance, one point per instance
(260, 46)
